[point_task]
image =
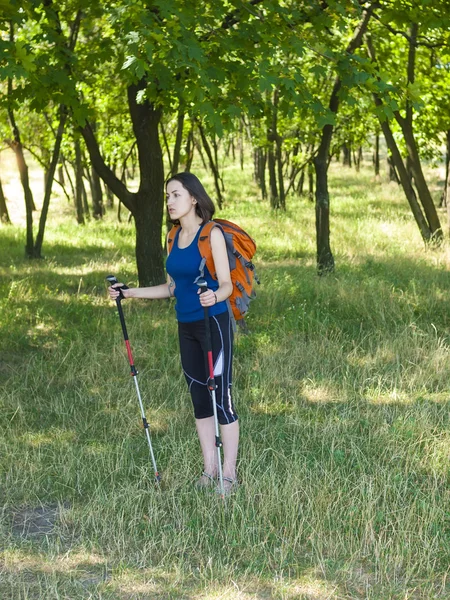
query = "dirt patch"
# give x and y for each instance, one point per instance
(38, 522)
(11, 361)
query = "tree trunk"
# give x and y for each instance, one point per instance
(198, 146)
(257, 165)
(67, 172)
(311, 182)
(347, 152)
(324, 255)
(49, 181)
(97, 195)
(274, 137)
(294, 169)
(420, 182)
(279, 160)
(241, 143)
(325, 259)
(215, 146)
(214, 168)
(408, 166)
(189, 148)
(108, 191)
(397, 160)
(16, 145)
(259, 161)
(400, 169)
(78, 183)
(357, 159)
(4, 215)
(445, 198)
(271, 163)
(166, 145)
(178, 142)
(376, 155)
(392, 172)
(61, 179)
(406, 124)
(301, 182)
(84, 198)
(147, 207)
(447, 194)
(28, 194)
(262, 167)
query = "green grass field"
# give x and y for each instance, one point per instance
(342, 390)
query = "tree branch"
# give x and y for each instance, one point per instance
(108, 176)
(413, 41)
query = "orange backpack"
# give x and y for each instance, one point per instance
(240, 249)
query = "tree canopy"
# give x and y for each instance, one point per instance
(146, 81)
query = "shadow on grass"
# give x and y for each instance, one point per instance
(94, 580)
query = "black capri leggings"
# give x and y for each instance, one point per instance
(193, 353)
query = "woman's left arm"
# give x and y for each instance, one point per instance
(220, 257)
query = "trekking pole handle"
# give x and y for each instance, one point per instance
(202, 285)
(112, 279)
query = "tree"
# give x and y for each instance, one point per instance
(30, 72)
(4, 215)
(325, 259)
(405, 30)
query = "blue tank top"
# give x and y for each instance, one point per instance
(183, 267)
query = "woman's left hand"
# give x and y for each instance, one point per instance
(208, 298)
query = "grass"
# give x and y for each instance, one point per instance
(342, 389)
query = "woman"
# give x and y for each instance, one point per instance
(189, 205)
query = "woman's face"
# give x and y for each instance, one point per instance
(179, 200)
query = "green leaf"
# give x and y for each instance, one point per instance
(318, 71)
(234, 111)
(326, 119)
(129, 61)
(195, 53)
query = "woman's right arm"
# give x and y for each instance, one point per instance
(155, 292)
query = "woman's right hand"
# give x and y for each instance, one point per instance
(114, 293)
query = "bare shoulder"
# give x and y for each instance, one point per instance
(216, 234)
(220, 255)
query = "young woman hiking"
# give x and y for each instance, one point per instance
(189, 205)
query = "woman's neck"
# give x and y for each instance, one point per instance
(190, 223)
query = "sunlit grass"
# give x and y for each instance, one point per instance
(342, 389)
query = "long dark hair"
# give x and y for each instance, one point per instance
(205, 206)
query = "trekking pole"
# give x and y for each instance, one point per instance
(112, 280)
(212, 385)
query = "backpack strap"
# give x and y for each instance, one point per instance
(171, 237)
(204, 247)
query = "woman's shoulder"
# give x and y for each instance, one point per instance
(217, 233)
